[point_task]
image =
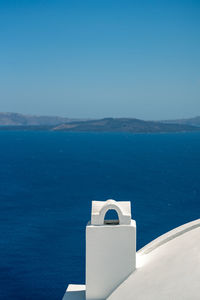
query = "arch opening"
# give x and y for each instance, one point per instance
(111, 217)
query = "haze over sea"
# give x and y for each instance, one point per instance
(47, 183)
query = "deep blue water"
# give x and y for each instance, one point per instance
(47, 183)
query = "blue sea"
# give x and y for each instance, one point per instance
(47, 183)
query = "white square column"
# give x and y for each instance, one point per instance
(110, 249)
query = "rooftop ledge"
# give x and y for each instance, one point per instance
(172, 234)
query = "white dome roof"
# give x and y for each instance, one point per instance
(168, 268)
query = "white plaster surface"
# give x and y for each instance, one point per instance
(167, 269)
(110, 257)
(75, 292)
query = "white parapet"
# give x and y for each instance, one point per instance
(110, 249)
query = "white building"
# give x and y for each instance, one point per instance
(166, 269)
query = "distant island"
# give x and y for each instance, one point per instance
(190, 121)
(13, 121)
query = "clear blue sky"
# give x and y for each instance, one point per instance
(100, 58)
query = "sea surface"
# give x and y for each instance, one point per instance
(47, 183)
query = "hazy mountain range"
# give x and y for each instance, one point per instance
(14, 121)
